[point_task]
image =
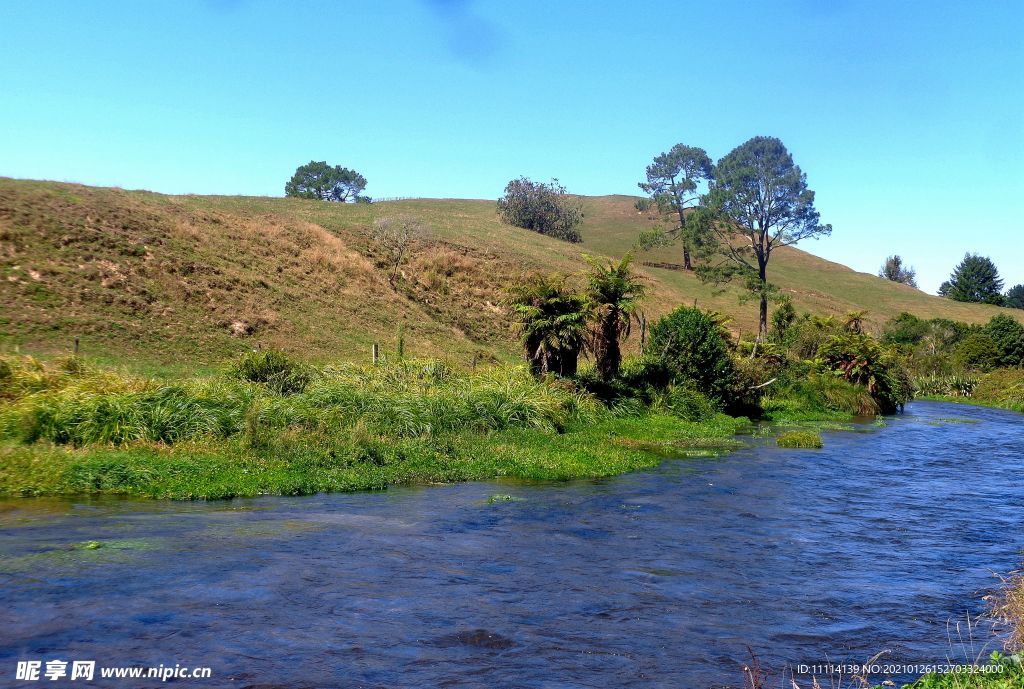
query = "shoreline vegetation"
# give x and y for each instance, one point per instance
(72, 428)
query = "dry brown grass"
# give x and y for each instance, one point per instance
(1007, 607)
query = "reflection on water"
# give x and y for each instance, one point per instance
(661, 578)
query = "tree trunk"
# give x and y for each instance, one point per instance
(762, 324)
(608, 354)
(682, 234)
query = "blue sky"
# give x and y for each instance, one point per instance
(908, 117)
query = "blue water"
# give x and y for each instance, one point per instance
(884, 540)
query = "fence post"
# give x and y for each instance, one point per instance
(376, 352)
(76, 345)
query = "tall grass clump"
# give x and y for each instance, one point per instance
(817, 395)
(267, 394)
(1007, 607)
(274, 369)
(953, 385)
(808, 440)
(424, 398)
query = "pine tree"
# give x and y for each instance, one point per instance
(976, 279)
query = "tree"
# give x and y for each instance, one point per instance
(976, 279)
(759, 194)
(1015, 297)
(553, 321)
(894, 269)
(614, 291)
(672, 182)
(396, 237)
(320, 181)
(543, 208)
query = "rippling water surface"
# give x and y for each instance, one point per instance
(654, 579)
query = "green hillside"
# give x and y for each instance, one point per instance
(157, 278)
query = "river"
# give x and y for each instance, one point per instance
(884, 540)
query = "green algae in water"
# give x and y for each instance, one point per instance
(73, 556)
(503, 498)
(800, 439)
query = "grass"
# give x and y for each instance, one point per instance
(158, 280)
(800, 439)
(72, 428)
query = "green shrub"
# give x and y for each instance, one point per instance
(859, 359)
(1008, 336)
(782, 318)
(694, 350)
(977, 352)
(904, 329)
(806, 334)
(800, 439)
(273, 369)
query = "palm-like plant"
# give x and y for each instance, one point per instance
(552, 320)
(615, 291)
(853, 322)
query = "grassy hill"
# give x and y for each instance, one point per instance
(168, 279)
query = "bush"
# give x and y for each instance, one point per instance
(543, 208)
(808, 440)
(905, 329)
(693, 350)
(782, 318)
(859, 359)
(273, 369)
(1008, 335)
(977, 352)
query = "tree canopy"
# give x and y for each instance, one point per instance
(542, 207)
(760, 194)
(615, 291)
(673, 181)
(895, 270)
(1015, 297)
(320, 181)
(975, 279)
(552, 319)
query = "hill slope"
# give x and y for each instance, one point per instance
(160, 278)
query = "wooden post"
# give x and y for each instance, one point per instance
(76, 345)
(376, 353)
(643, 331)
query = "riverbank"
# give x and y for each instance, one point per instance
(288, 429)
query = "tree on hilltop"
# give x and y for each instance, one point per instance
(895, 270)
(1015, 297)
(320, 181)
(975, 279)
(673, 181)
(758, 196)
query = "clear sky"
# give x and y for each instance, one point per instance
(908, 117)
